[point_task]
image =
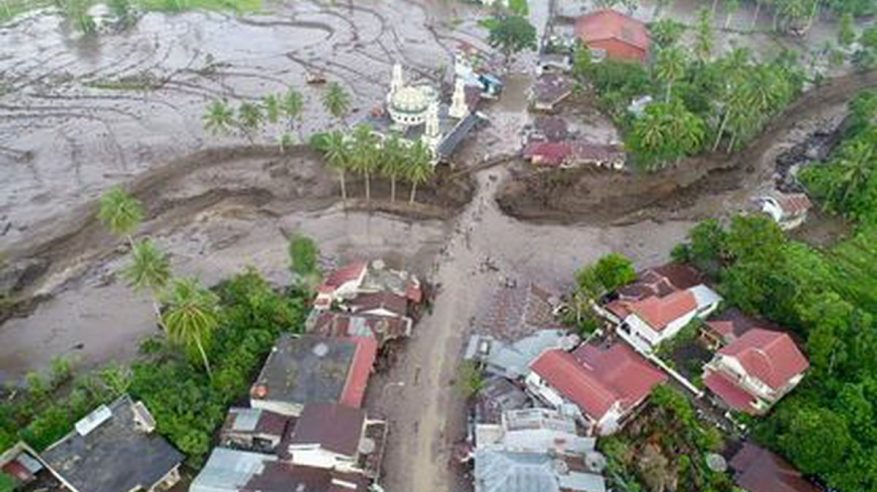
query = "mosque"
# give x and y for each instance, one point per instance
(415, 111)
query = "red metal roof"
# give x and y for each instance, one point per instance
(548, 153)
(359, 372)
(770, 356)
(342, 275)
(758, 470)
(658, 312)
(609, 24)
(729, 392)
(794, 203)
(596, 379)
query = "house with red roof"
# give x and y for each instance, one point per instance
(363, 278)
(611, 34)
(754, 371)
(788, 210)
(659, 304)
(758, 470)
(600, 385)
(308, 369)
(343, 281)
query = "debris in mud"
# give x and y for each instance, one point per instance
(19, 274)
(816, 147)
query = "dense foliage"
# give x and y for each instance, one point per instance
(665, 449)
(699, 101)
(847, 183)
(187, 404)
(829, 299)
(511, 34)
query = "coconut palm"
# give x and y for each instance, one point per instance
(419, 168)
(670, 67)
(393, 161)
(272, 108)
(365, 155)
(149, 270)
(338, 157)
(191, 317)
(292, 105)
(250, 118)
(704, 35)
(857, 162)
(686, 129)
(219, 118)
(336, 101)
(121, 213)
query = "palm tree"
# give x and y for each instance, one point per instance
(191, 317)
(336, 101)
(686, 129)
(670, 67)
(857, 161)
(121, 213)
(149, 270)
(419, 168)
(292, 105)
(272, 108)
(705, 38)
(219, 118)
(364, 158)
(338, 157)
(250, 118)
(393, 161)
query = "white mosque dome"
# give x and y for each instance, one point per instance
(409, 105)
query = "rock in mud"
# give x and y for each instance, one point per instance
(16, 276)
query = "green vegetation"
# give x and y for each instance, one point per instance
(187, 404)
(363, 152)
(250, 118)
(665, 449)
(303, 255)
(593, 282)
(470, 379)
(705, 101)
(120, 213)
(829, 298)
(847, 183)
(337, 102)
(511, 34)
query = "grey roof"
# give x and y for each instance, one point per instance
(497, 396)
(534, 430)
(229, 470)
(501, 471)
(453, 139)
(114, 456)
(245, 418)
(512, 360)
(307, 369)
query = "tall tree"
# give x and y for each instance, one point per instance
(419, 168)
(705, 37)
(670, 67)
(511, 34)
(731, 8)
(393, 161)
(121, 213)
(149, 270)
(364, 159)
(219, 118)
(191, 317)
(338, 158)
(336, 101)
(250, 119)
(292, 105)
(303, 255)
(857, 162)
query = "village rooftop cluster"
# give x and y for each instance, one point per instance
(549, 395)
(305, 428)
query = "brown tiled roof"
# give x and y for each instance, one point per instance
(662, 281)
(554, 128)
(609, 24)
(387, 300)
(334, 427)
(596, 379)
(794, 203)
(520, 311)
(342, 275)
(733, 323)
(551, 88)
(382, 328)
(658, 312)
(770, 356)
(758, 470)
